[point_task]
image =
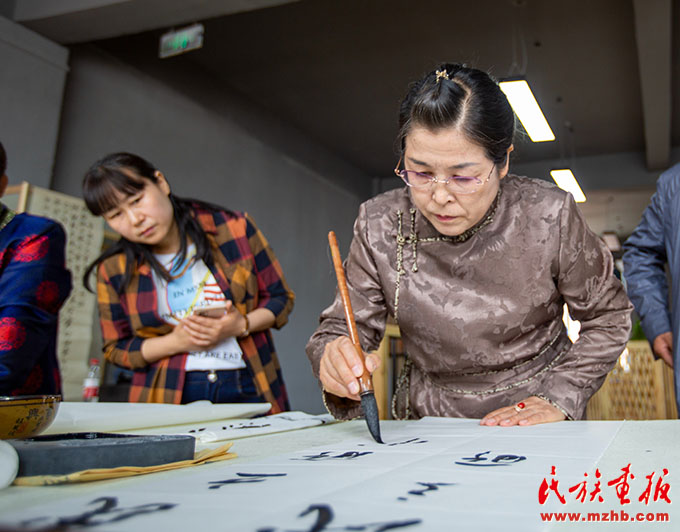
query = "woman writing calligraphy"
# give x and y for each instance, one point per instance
(475, 265)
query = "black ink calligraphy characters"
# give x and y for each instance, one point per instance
(479, 460)
(108, 512)
(325, 516)
(326, 455)
(244, 478)
(412, 441)
(427, 486)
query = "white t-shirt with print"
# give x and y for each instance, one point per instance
(194, 286)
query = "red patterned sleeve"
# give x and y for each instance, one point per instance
(34, 283)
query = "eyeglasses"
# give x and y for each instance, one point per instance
(456, 184)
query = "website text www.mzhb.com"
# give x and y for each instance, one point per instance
(605, 517)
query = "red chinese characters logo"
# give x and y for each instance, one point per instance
(621, 485)
(582, 488)
(660, 490)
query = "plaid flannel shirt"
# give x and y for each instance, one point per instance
(34, 283)
(248, 273)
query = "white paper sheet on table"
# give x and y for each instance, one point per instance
(116, 417)
(423, 478)
(233, 429)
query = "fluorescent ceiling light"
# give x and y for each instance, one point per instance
(566, 181)
(527, 109)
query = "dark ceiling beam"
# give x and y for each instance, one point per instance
(76, 21)
(653, 36)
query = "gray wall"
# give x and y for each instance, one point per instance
(203, 140)
(32, 74)
(7, 8)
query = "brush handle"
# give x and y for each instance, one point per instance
(365, 379)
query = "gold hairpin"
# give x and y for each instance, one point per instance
(441, 74)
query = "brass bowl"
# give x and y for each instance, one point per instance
(26, 415)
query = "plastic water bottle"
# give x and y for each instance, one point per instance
(91, 383)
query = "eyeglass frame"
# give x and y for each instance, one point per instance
(434, 179)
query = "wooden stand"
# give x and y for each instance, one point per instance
(638, 387)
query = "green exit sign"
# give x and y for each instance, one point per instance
(179, 41)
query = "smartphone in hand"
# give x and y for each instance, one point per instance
(212, 311)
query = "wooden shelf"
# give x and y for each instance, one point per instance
(638, 387)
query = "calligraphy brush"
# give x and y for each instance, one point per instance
(368, 403)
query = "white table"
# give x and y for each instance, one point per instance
(479, 502)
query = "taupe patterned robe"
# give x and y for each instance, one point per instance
(481, 314)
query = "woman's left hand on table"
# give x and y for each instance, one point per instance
(534, 411)
(207, 331)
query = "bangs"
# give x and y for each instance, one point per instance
(105, 188)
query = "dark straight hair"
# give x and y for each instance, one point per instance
(454, 95)
(3, 160)
(128, 174)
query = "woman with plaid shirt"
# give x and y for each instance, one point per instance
(188, 293)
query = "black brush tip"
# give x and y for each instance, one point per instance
(370, 408)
